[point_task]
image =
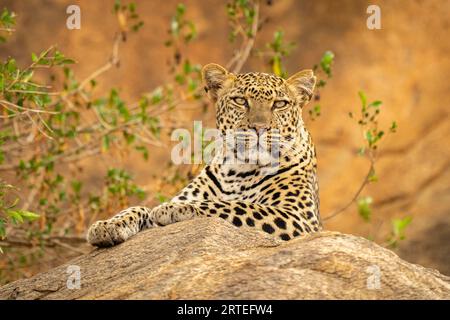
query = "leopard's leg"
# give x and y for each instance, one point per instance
(281, 221)
(128, 222)
(106, 233)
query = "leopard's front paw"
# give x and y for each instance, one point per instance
(108, 233)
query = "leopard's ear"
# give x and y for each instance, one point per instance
(303, 83)
(214, 77)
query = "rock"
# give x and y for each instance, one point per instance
(212, 259)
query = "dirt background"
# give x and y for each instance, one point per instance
(405, 64)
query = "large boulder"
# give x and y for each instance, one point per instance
(212, 259)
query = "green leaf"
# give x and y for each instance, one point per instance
(380, 134)
(192, 34)
(156, 95)
(398, 230)
(99, 102)
(66, 61)
(376, 104)
(137, 26)
(363, 98)
(116, 5)
(129, 137)
(399, 226)
(326, 62)
(105, 143)
(180, 79)
(317, 109)
(2, 228)
(364, 209)
(192, 85)
(143, 104)
(276, 66)
(373, 177)
(28, 215)
(15, 216)
(76, 186)
(181, 9)
(161, 198)
(321, 83)
(154, 126)
(11, 65)
(7, 18)
(144, 151)
(393, 127)
(369, 137)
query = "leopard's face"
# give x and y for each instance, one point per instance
(258, 101)
(263, 104)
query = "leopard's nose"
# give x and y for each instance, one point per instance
(259, 127)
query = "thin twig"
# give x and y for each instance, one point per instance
(46, 243)
(113, 61)
(33, 192)
(4, 102)
(35, 92)
(31, 66)
(245, 53)
(39, 128)
(356, 195)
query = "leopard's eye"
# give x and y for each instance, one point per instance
(280, 104)
(240, 101)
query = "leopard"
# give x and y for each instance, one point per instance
(282, 202)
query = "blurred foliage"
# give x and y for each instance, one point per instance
(127, 17)
(10, 215)
(241, 17)
(323, 73)
(7, 22)
(364, 209)
(181, 27)
(398, 227)
(45, 133)
(279, 50)
(367, 120)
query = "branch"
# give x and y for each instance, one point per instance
(49, 242)
(5, 103)
(356, 195)
(113, 61)
(33, 192)
(31, 66)
(244, 53)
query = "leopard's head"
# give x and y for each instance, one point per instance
(259, 101)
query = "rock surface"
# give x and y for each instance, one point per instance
(211, 259)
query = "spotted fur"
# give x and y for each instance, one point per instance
(283, 202)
